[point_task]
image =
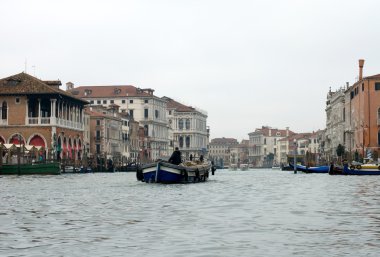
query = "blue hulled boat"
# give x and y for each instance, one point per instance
(164, 172)
(316, 169)
(354, 170)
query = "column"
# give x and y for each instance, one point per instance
(26, 110)
(39, 110)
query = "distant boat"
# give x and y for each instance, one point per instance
(243, 166)
(164, 172)
(233, 167)
(49, 168)
(317, 169)
(356, 170)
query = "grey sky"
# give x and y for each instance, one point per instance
(247, 63)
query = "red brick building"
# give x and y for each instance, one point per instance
(41, 114)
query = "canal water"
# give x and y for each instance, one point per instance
(236, 213)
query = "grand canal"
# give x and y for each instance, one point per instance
(236, 213)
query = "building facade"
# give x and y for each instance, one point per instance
(141, 104)
(362, 111)
(335, 121)
(263, 145)
(189, 128)
(37, 112)
(220, 149)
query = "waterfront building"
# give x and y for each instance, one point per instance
(220, 150)
(37, 112)
(263, 145)
(303, 144)
(141, 104)
(335, 122)
(189, 128)
(362, 111)
(239, 153)
(106, 133)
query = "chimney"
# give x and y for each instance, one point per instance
(69, 86)
(361, 64)
(287, 131)
(347, 85)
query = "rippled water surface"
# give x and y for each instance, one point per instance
(236, 213)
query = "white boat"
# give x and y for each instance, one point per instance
(243, 166)
(233, 167)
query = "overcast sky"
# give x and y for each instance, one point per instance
(247, 63)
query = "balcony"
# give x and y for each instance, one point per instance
(52, 121)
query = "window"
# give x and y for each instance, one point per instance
(92, 102)
(344, 114)
(187, 123)
(98, 135)
(146, 113)
(265, 141)
(97, 122)
(180, 123)
(146, 130)
(111, 101)
(146, 101)
(104, 101)
(352, 94)
(17, 100)
(4, 111)
(377, 86)
(156, 113)
(363, 87)
(131, 101)
(131, 113)
(99, 102)
(123, 101)
(378, 137)
(97, 148)
(181, 142)
(170, 112)
(187, 141)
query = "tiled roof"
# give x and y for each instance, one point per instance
(373, 77)
(25, 84)
(224, 140)
(273, 132)
(171, 104)
(110, 91)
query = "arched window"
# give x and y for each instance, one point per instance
(180, 123)
(181, 142)
(4, 110)
(187, 123)
(187, 141)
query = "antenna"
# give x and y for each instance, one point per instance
(26, 64)
(34, 70)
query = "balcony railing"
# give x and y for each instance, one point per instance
(52, 121)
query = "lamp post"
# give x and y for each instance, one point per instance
(295, 158)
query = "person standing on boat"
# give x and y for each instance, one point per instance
(176, 157)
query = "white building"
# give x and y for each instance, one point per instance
(189, 128)
(141, 104)
(263, 145)
(335, 121)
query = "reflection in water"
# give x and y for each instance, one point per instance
(241, 213)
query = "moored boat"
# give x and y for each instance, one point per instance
(355, 170)
(233, 167)
(306, 169)
(31, 169)
(164, 172)
(243, 166)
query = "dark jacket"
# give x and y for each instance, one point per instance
(175, 158)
